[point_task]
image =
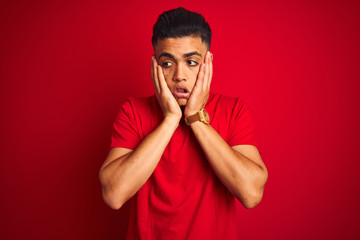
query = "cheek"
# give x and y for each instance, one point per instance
(169, 75)
(190, 72)
(196, 70)
(194, 74)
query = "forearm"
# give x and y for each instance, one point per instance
(244, 178)
(123, 177)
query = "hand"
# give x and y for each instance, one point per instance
(167, 101)
(200, 92)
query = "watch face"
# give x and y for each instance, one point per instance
(206, 116)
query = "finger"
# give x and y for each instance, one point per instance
(207, 71)
(152, 68)
(155, 75)
(201, 74)
(211, 70)
(162, 82)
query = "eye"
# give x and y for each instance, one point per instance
(166, 64)
(192, 63)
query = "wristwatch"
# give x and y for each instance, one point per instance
(201, 115)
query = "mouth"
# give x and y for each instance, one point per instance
(181, 92)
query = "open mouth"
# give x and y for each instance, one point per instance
(181, 92)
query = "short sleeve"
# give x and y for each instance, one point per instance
(125, 131)
(242, 130)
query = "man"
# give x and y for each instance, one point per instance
(183, 154)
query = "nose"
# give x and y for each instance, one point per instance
(179, 74)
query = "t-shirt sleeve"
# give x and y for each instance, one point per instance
(242, 130)
(125, 131)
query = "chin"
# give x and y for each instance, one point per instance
(182, 101)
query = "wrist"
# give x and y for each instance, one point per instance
(171, 121)
(200, 116)
(190, 112)
(197, 124)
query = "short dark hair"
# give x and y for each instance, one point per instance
(179, 22)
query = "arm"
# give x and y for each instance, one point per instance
(240, 168)
(125, 171)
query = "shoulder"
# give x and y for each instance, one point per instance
(145, 111)
(231, 118)
(139, 104)
(226, 102)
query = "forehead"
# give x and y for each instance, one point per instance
(180, 46)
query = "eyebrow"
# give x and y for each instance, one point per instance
(169, 55)
(191, 54)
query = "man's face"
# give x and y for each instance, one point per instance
(180, 59)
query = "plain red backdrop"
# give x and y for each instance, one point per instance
(66, 67)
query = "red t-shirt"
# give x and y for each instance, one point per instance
(183, 198)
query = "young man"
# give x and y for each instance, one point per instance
(184, 154)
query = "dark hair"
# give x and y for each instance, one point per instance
(179, 22)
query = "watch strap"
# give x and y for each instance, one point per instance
(193, 118)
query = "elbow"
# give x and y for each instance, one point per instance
(252, 200)
(114, 206)
(111, 200)
(255, 192)
(113, 203)
(109, 195)
(251, 195)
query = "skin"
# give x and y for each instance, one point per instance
(240, 168)
(180, 70)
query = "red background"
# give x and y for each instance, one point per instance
(66, 67)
